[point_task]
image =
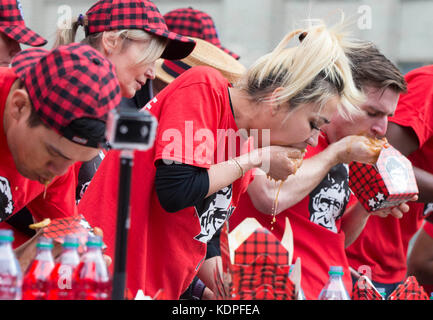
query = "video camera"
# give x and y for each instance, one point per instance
(129, 129)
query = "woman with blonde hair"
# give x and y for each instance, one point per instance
(189, 183)
(132, 34)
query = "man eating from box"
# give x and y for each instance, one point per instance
(53, 106)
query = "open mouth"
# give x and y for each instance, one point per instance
(44, 180)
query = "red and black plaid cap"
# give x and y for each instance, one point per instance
(68, 83)
(107, 15)
(195, 23)
(13, 26)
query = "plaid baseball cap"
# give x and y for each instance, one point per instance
(107, 15)
(12, 24)
(195, 23)
(69, 84)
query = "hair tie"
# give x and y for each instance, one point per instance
(80, 20)
(302, 36)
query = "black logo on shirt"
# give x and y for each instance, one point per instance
(213, 212)
(6, 203)
(328, 200)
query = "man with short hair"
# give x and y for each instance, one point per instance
(316, 197)
(53, 108)
(382, 246)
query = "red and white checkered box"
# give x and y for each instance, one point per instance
(259, 264)
(386, 184)
(73, 225)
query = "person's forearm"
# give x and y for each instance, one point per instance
(312, 171)
(420, 260)
(424, 272)
(424, 181)
(353, 222)
(262, 191)
(225, 173)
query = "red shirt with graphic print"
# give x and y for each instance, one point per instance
(315, 222)
(383, 244)
(166, 249)
(17, 191)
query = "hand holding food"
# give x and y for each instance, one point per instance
(280, 162)
(27, 251)
(396, 212)
(359, 149)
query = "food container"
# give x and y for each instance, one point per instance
(386, 184)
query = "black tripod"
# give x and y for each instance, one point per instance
(123, 224)
(127, 130)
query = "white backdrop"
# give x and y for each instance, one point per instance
(403, 29)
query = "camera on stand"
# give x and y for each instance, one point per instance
(130, 129)
(126, 130)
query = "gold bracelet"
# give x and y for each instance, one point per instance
(240, 167)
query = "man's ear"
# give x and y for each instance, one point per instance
(20, 106)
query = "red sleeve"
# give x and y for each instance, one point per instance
(188, 125)
(428, 228)
(415, 108)
(59, 200)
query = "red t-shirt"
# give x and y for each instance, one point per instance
(17, 191)
(165, 249)
(315, 222)
(383, 243)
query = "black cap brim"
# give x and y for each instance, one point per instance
(178, 46)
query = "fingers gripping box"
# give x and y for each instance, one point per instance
(386, 184)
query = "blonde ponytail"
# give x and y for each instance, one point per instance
(66, 35)
(313, 71)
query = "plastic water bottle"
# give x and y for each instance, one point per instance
(10, 271)
(61, 278)
(91, 276)
(382, 292)
(334, 289)
(36, 277)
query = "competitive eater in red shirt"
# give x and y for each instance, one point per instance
(189, 183)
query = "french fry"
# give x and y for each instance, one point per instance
(39, 225)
